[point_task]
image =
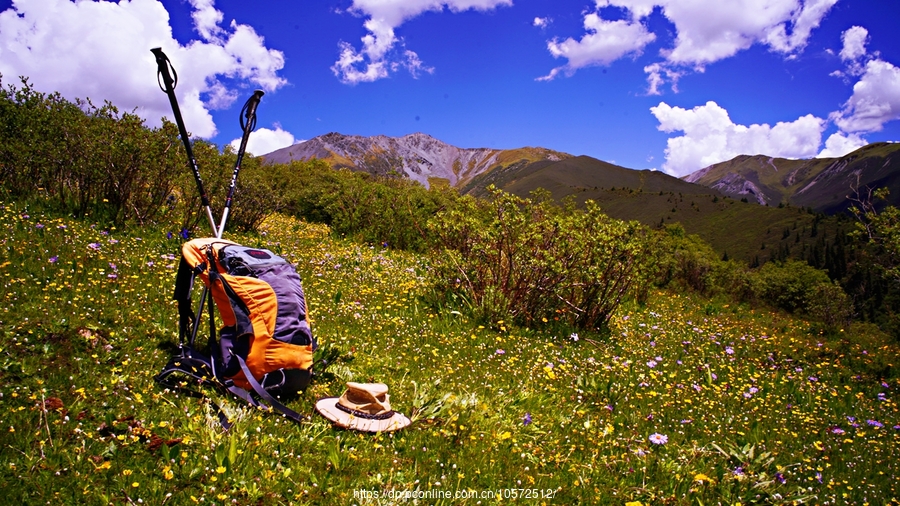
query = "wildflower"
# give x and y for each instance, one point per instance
(780, 478)
(874, 423)
(702, 478)
(185, 234)
(526, 420)
(651, 364)
(169, 235)
(500, 352)
(729, 350)
(813, 379)
(39, 225)
(738, 471)
(574, 337)
(94, 246)
(658, 439)
(54, 259)
(221, 469)
(837, 430)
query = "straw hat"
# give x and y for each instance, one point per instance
(363, 406)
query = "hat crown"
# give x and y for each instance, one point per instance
(371, 398)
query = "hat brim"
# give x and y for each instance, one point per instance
(327, 408)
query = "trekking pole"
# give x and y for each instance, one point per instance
(247, 120)
(168, 86)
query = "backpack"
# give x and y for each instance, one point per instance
(264, 349)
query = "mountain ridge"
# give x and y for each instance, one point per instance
(417, 156)
(826, 185)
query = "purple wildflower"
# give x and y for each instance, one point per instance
(658, 439)
(837, 430)
(874, 423)
(780, 478)
(94, 246)
(54, 259)
(500, 352)
(185, 234)
(39, 225)
(526, 420)
(169, 235)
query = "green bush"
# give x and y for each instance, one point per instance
(535, 262)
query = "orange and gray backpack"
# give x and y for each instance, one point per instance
(264, 349)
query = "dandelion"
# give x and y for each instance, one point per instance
(702, 478)
(658, 439)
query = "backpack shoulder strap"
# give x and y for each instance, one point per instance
(286, 411)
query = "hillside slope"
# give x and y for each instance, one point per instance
(417, 156)
(823, 184)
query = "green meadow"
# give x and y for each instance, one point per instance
(683, 399)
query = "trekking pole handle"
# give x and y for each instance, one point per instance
(247, 120)
(168, 86)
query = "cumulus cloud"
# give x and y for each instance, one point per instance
(541, 22)
(382, 52)
(839, 144)
(605, 42)
(706, 31)
(854, 40)
(711, 137)
(875, 100)
(263, 141)
(101, 50)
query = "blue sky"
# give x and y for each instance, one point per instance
(672, 85)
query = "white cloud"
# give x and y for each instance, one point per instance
(101, 50)
(711, 137)
(541, 22)
(263, 141)
(605, 42)
(380, 54)
(854, 39)
(706, 31)
(839, 144)
(875, 99)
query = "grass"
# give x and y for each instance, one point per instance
(686, 401)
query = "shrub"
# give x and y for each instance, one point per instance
(536, 262)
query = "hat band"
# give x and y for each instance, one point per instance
(363, 414)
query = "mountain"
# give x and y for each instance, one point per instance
(417, 156)
(823, 184)
(707, 203)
